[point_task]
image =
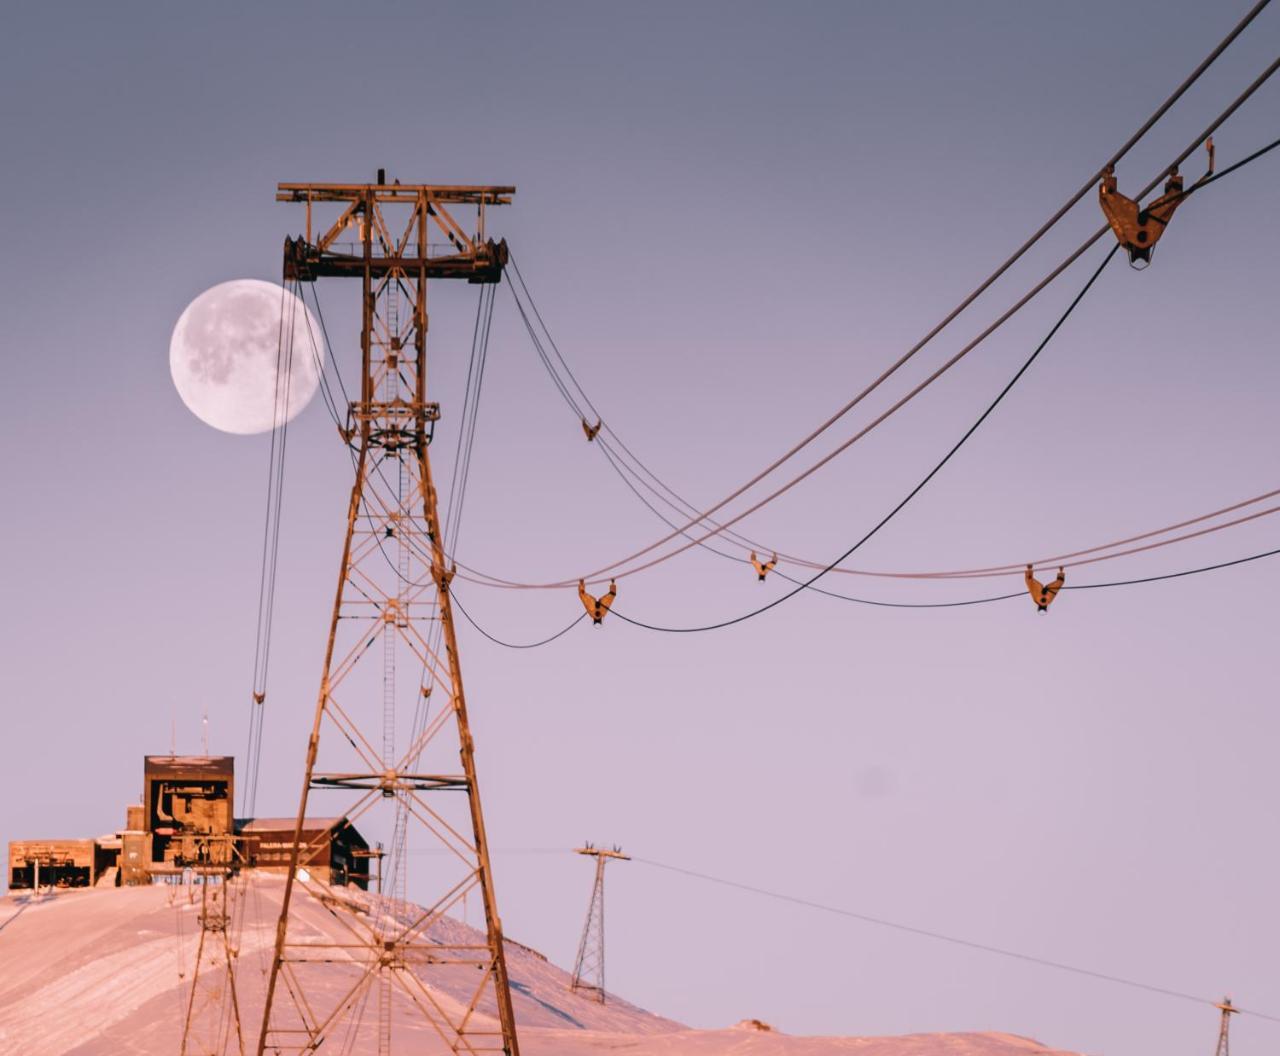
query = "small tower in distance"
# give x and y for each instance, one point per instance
(1228, 1010)
(588, 970)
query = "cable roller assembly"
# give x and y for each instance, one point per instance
(597, 608)
(1139, 229)
(1044, 593)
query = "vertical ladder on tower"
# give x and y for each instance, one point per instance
(394, 620)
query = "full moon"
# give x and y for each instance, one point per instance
(230, 350)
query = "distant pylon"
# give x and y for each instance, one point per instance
(212, 1023)
(1228, 1010)
(588, 970)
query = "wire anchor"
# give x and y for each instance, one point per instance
(1139, 229)
(1044, 593)
(597, 607)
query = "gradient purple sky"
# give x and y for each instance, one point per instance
(732, 217)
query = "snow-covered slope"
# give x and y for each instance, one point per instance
(105, 971)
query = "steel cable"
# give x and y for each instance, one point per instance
(913, 492)
(705, 515)
(270, 543)
(487, 580)
(1262, 79)
(1019, 593)
(453, 595)
(994, 571)
(928, 933)
(808, 584)
(630, 481)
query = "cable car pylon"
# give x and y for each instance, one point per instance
(1224, 1030)
(588, 969)
(392, 588)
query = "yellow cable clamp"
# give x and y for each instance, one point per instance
(597, 607)
(763, 568)
(1044, 593)
(1136, 228)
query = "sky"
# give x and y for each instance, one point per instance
(732, 217)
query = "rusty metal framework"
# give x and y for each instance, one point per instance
(392, 740)
(588, 969)
(1224, 1030)
(212, 1026)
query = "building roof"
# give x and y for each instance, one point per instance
(287, 824)
(198, 766)
(75, 841)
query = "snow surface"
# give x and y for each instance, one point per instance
(105, 971)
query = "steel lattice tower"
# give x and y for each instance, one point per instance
(588, 969)
(397, 747)
(212, 1026)
(1224, 1031)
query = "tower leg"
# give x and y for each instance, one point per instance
(493, 922)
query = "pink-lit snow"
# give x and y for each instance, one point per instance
(104, 972)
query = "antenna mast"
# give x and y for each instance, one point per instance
(588, 970)
(399, 748)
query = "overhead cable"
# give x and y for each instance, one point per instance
(914, 491)
(966, 602)
(603, 573)
(911, 494)
(631, 479)
(471, 413)
(1022, 593)
(608, 571)
(806, 584)
(453, 595)
(281, 399)
(938, 936)
(993, 571)
(1019, 567)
